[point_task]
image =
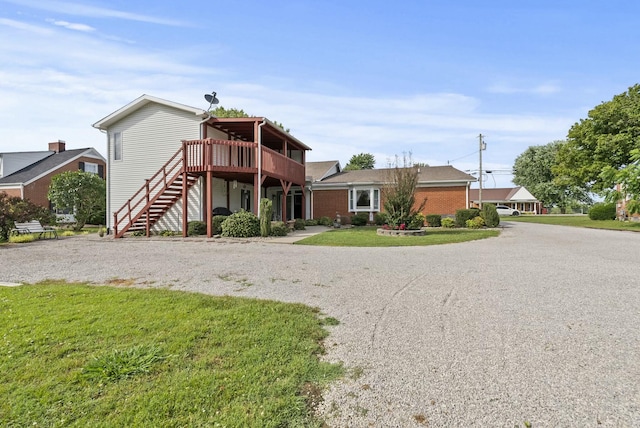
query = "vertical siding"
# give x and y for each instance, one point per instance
(150, 136)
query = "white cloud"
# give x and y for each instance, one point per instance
(547, 88)
(71, 26)
(79, 9)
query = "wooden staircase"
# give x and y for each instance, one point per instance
(154, 198)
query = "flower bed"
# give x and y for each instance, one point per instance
(401, 232)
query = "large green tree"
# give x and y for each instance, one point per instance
(361, 161)
(605, 139)
(533, 169)
(81, 192)
(234, 112)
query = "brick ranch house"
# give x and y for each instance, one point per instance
(332, 191)
(168, 164)
(518, 198)
(28, 174)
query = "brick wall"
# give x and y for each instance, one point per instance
(36, 192)
(11, 192)
(440, 200)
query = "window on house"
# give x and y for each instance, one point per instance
(245, 200)
(91, 167)
(364, 200)
(116, 144)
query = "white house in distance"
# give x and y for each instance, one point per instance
(517, 198)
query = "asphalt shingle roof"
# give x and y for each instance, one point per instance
(42, 166)
(428, 174)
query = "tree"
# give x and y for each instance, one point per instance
(604, 140)
(81, 192)
(234, 112)
(14, 209)
(399, 193)
(628, 180)
(361, 161)
(533, 169)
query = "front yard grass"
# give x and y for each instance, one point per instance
(576, 221)
(366, 237)
(80, 355)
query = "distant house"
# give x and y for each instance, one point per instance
(518, 198)
(333, 191)
(169, 164)
(28, 174)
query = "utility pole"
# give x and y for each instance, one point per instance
(482, 147)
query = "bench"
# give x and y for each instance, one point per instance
(34, 227)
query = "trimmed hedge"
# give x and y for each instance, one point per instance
(603, 211)
(448, 222)
(359, 219)
(463, 215)
(299, 224)
(278, 228)
(242, 224)
(434, 220)
(195, 228)
(490, 215)
(216, 223)
(380, 219)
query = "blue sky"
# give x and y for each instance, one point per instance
(425, 77)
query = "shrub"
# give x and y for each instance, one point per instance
(475, 223)
(242, 224)
(299, 224)
(278, 228)
(22, 238)
(14, 209)
(490, 215)
(359, 219)
(417, 221)
(325, 221)
(434, 220)
(603, 211)
(310, 222)
(168, 233)
(216, 224)
(195, 228)
(266, 212)
(68, 233)
(448, 222)
(380, 219)
(463, 215)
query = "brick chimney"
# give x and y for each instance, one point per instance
(57, 146)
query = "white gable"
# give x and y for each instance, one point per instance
(523, 195)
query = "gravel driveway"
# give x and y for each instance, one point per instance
(539, 326)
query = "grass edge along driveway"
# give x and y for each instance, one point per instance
(80, 355)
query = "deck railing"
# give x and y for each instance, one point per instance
(239, 156)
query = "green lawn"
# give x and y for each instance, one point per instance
(79, 355)
(367, 237)
(577, 221)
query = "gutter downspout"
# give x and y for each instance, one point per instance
(259, 190)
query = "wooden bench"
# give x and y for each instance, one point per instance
(34, 227)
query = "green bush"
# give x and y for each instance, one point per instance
(242, 224)
(463, 215)
(475, 223)
(448, 222)
(603, 211)
(14, 209)
(299, 224)
(310, 222)
(266, 212)
(195, 228)
(359, 219)
(22, 238)
(168, 233)
(434, 220)
(417, 221)
(490, 215)
(216, 223)
(380, 219)
(325, 221)
(278, 228)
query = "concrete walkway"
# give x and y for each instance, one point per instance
(298, 235)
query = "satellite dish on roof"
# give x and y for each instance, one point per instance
(211, 99)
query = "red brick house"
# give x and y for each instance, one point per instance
(28, 174)
(332, 191)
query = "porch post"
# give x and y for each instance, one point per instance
(257, 190)
(304, 202)
(209, 191)
(185, 224)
